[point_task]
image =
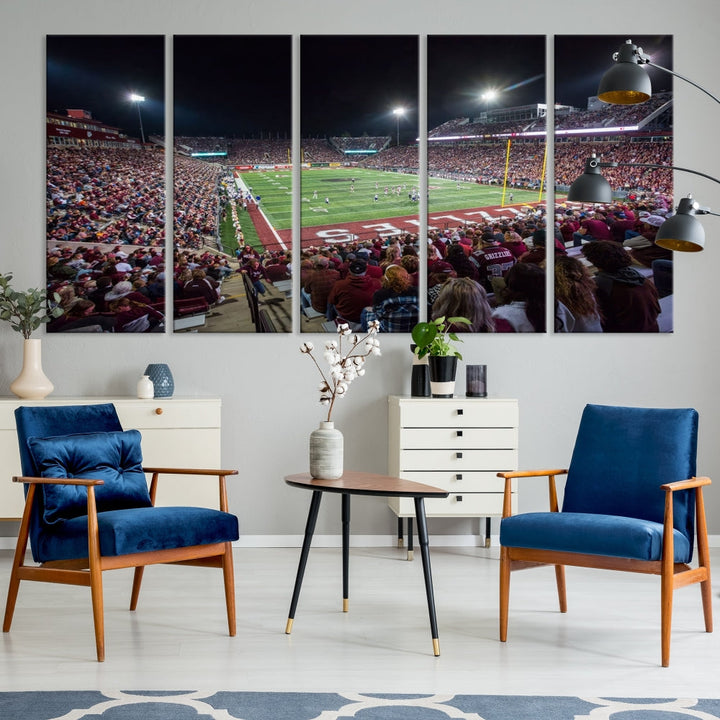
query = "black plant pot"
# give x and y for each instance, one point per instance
(442, 375)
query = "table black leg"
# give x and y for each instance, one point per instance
(487, 532)
(309, 530)
(346, 548)
(410, 539)
(425, 553)
(400, 532)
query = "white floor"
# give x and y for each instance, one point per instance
(608, 644)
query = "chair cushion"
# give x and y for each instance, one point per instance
(144, 529)
(591, 534)
(113, 457)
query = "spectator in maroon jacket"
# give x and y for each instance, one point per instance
(348, 297)
(627, 300)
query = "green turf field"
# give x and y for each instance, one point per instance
(345, 205)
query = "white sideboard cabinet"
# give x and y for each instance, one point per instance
(458, 444)
(177, 432)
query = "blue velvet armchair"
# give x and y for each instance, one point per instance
(631, 502)
(88, 509)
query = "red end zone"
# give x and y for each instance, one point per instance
(371, 229)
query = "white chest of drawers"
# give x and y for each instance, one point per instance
(458, 444)
(180, 432)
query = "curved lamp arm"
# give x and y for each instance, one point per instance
(682, 77)
(651, 165)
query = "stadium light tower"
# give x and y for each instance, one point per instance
(488, 96)
(398, 112)
(137, 99)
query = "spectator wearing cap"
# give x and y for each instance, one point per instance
(317, 287)
(350, 296)
(492, 259)
(124, 289)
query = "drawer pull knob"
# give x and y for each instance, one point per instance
(458, 476)
(459, 433)
(460, 411)
(458, 498)
(158, 411)
(458, 456)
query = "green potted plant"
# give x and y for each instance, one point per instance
(436, 340)
(26, 311)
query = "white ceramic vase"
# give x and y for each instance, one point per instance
(32, 383)
(145, 388)
(326, 452)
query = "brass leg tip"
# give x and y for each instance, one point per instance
(401, 542)
(410, 555)
(288, 627)
(487, 542)
(346, 604)
(436, 647)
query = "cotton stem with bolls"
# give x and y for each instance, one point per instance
(344, 368)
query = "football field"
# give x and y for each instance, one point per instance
(342, 203)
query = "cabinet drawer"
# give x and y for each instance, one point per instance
(168, 413)
(455, 505)
(458, 438)
(460, 482)
(457, 460)
(458, 412)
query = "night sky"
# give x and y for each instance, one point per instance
(98, 73)
(240, 86)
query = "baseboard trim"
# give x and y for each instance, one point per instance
(335, 541)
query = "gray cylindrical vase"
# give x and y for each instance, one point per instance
(326, 452)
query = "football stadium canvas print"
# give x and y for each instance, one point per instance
(610, 276)
(487, 156)
(232, 183)
(360, 188)
(105, 195)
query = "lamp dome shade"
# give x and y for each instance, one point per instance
(682, 232)
(591, 186)
(625, 83)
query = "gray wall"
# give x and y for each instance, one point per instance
(268, 388)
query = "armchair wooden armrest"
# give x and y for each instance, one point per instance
(221, 475)
(57, 481)
(510, 475)
(695, 482)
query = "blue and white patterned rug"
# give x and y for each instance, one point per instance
(176, 705)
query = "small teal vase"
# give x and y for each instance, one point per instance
(162, 379)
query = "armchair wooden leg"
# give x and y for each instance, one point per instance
(560, 581)
(11, 598)
(504, 591)
(666, 604)
(18, 560)
(229, 578)
(96, 591)
(137, 581)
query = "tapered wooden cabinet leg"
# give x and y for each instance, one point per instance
(504, 592)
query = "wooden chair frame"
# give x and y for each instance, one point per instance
(672, 575)
(88, 571)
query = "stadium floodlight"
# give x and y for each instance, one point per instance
(398, 112)
(679, 232)
(137, 99)
(626, 83)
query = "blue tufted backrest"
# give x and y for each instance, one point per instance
(621, 457)
(53, 421)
